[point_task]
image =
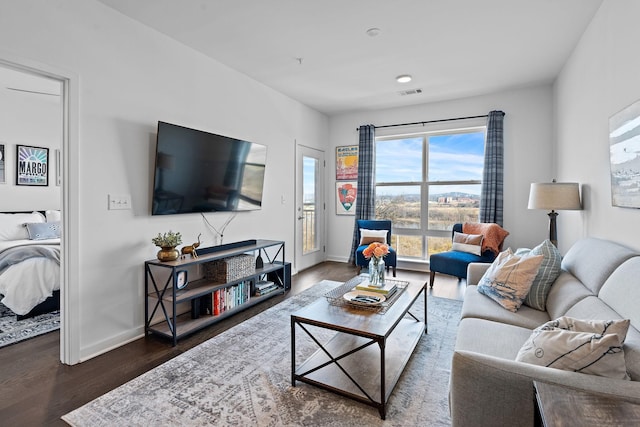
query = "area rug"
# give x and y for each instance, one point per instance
(242, 377)
(13, 331)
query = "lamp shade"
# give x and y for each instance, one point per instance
(555, 196)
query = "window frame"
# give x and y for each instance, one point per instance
(424, 185)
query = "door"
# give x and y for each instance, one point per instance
(310, 207)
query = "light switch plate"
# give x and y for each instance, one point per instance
(119, 201)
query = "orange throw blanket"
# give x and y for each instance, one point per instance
(493, 234)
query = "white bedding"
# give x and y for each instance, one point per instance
(30, 282)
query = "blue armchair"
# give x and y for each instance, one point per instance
(391, 260)
(454, 263)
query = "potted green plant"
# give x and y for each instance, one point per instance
(168, 242)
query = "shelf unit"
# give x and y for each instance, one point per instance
(163, 295)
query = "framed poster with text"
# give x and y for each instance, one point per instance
(347, 162)
(32, 166)
(346, 196)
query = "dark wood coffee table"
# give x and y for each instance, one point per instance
(350, 364)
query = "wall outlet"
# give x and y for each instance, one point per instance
(120, 201)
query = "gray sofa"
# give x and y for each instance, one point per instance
(600, 280)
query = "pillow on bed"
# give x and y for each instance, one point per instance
(43, 230)
(12, 225)
(53, 215)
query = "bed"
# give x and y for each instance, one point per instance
(30, 262)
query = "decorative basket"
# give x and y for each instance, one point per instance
(230, 269)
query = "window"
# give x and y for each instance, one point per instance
(427, 182)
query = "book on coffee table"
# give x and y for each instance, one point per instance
(387, 289)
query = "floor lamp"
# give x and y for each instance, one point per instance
(554, 196)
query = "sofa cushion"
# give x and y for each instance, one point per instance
(547, 274)
(593, 260)
(509, 279)
(588, 346)
(621, 291)
(564, 294)
(481, 336)
(479, 306)
(471, 243)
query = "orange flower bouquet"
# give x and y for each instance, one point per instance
(376, 252)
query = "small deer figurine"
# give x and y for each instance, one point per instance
(191, 249)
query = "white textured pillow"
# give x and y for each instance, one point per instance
(53, 215)
(12, 226)
(369, 236)
(471, 243)
(508, 280)
(589, 346)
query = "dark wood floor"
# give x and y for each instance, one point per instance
(36, 389)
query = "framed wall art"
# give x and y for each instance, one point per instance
(3, 175)
(32, 166)
(346, 197)
(347, 162)
(624, 154)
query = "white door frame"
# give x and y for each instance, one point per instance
(69, 257)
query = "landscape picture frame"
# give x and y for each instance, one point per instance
(346, 162)
(346, 197)
(624, 157)
(32, 166)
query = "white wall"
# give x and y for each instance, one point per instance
(129, 77)
(599, 80)
(29, 119)
(528, 136)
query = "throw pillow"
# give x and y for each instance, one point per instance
(471, 243)
(547, 274)
(508, 280)
(53, 215)
(369, 236)
(589, 346)
(12, 225)
(43, 230)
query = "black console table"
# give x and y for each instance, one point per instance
(163, 293)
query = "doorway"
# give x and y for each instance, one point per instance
(34, 106)
(310, 207)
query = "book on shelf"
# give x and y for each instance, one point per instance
(268, 289)
(388, 288)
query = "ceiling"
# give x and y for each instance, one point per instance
(319, 52)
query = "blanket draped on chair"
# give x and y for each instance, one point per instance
(493, 234)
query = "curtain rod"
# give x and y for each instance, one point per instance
(428, 121)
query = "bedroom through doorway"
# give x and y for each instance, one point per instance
(32, 132)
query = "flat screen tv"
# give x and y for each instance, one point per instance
(198, 171)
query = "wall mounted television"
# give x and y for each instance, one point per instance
(197, 171)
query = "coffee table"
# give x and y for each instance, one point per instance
(350, 363)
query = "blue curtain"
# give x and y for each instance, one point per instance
(491, 196)
(366, 190)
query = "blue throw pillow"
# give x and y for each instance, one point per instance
(43, 230)
(547, 274)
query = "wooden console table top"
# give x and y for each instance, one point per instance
(566, 407)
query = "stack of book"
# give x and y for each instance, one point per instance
(263, 287)
(387, 290)
(230, 297)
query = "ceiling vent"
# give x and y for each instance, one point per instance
(410, 92)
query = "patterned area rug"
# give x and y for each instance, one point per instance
(242, 377)
(13, 331)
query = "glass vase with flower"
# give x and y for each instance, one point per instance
(375, 253)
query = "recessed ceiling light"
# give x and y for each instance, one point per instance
(403, 78)
(372, 32)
